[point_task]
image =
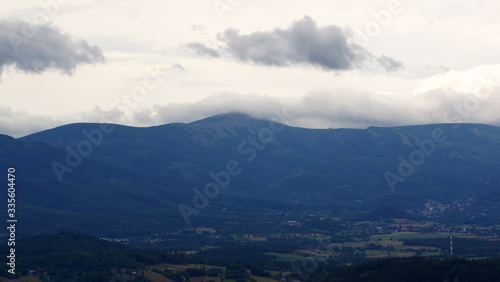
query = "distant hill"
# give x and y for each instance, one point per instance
(335, 170)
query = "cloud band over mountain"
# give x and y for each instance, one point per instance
(37, 48)
(317, 109)
(303, 43)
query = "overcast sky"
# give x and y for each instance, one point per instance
(318, 63)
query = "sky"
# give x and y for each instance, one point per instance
(315, 64)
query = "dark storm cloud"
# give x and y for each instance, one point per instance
(203, 50)
(37, 48)
(303, 43)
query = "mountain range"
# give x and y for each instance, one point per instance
(110, 180)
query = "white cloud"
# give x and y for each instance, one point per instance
(325, 108)
(466, 81)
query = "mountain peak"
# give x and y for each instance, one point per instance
(210, 131)
(229, 117)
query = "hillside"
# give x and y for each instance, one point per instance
(94, 198)
(320, 166)
(234, 168)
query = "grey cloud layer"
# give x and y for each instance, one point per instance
(317, 109)
(342, 108)
(37, 48)
(303, 43)
(326, 108)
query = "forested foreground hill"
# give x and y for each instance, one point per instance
(74, 257)
(69, 256)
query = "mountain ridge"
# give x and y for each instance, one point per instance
(339, 171)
